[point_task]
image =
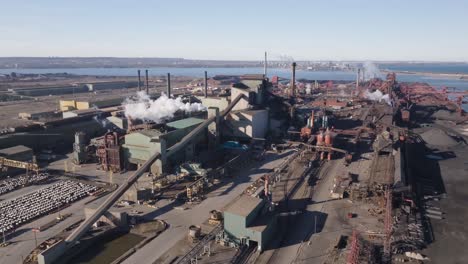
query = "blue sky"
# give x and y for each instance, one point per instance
(237, 30)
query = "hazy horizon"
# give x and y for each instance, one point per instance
(337, 30)
(234, 60)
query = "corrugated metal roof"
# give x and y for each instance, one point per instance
(244, 205)
(184, 123)
(14, 150)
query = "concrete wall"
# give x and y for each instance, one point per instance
(259, 123)
(52, 254)
(219, 102)
(120, 122)
(269, 233)
(120, 219)
(236, 226)
(243, 103)
(247, 124)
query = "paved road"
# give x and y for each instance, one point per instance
(179, 220)
(24, 243)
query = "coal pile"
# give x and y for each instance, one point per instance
(438, 137)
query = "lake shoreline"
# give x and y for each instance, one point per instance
(458, 76)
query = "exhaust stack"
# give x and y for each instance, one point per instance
(139, 81)
(147, 83)
(169, 85)
(293, 80)
(206, 84)
(357, 78)
(265, 66)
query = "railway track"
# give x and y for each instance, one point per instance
(245, 255)
(306, 193)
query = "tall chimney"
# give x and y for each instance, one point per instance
(293, 80)
(169, 85)
(139, 81)
(357, 78)
(265, 66)
(147, 83)
(206, 84)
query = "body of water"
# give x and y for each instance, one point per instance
(108, 249)
(428, 67)
(435, 81)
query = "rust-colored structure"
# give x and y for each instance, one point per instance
(109, 153)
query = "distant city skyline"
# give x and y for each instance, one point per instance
(336, 30)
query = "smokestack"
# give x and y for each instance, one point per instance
(206, 84)
(139, 81)
(168, 85)
(147, 83)
(293, 81)
(265, 66)
(357, 78)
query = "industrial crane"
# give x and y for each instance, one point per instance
(28, 166)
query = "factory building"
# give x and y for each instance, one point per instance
(75, 88)
(82, 112)
(118, 121)
(219, 102)
(248, 221)
(19, 153)
(96, 86)
(246, 124)
(39, 115)
(69, 105)
(141, 145)
(53, 90)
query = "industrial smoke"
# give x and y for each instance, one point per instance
(144, 108)
(371, 71)
(377, 96)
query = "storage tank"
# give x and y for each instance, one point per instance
(328, 138)
(194, 231)
(320, 139)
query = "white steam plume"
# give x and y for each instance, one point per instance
(371, 71)
(377, 96)
(163, 108)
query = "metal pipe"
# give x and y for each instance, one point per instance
(139, 81)
(293, 81)
(168, 85)
(206, 84)
(147, 83)
(265, 66)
